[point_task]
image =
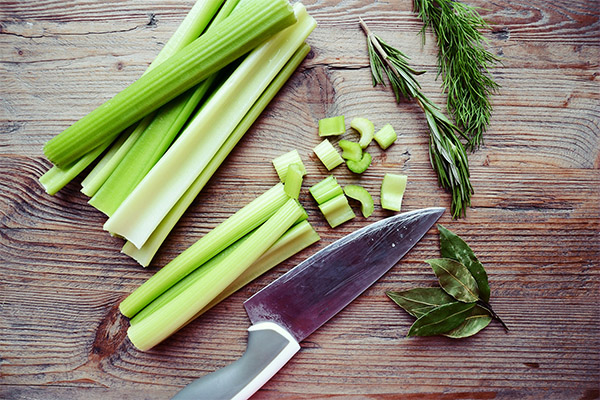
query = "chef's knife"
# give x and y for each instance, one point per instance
(292, 307)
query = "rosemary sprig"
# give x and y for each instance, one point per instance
(463, 63)
(446, 152)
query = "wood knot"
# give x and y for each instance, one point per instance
(109, 336)
(120, 66)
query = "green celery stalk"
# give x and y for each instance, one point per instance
(297, 238)
(159, 130)
(145, 254)
(248, 26)
(337, 210)
(326, 189)
(386, 136)
(361, 194)
(366, 129)
(293, 181)
(170, 317)
(328, 155)
(141, 212)
(392, 191)
(282, 162)
(218, 239)
(332, 126)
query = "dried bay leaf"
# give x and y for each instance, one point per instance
(441, 319)
(455, 279)
(420, 301)
(476, 321)
(453, 247)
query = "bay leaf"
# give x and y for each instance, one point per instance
(453, 247)
(455, 279)
(476, 321)
(420, 301)
(441, 319)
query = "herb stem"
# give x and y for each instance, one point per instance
(488, 308)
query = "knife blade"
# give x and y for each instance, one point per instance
(292, 307)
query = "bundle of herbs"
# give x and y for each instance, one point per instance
(460, 306)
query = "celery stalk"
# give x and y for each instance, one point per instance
(170, 317)
(297, 238)
(145, 254)
(337, 210)
(328, 155)
(325, 189)
(361, 194)
(366, 129)
(358, 167)
(248, 26)
(392, 191)
(282, 162)
(141, 212)
(386, 136)
(236, 226)
(332, 126)
(350, 150)
(293, 181)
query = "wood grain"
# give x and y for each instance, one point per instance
(534, 220)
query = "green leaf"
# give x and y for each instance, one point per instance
(455, 279)
(475, 322)
(418, 302)
(441, 319)
(453, 247)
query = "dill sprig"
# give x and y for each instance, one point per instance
(446, 152)
(463, 63)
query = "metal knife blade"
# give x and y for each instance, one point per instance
(318, 288)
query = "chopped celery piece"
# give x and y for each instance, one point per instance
(297, 238)
(366, 130)
(249, 25)
(145, 254)
(167, 319)
(230, 230)
(328, 155)
(56, 178)
(358, 167)
(337, 210)
(141, 212)
(293, 181)
(282, 162)
(332, 126)
(386, 136)
(350, 150)
(392, 191)
(326, 189)
(361, 194)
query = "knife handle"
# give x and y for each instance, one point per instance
(269, 348)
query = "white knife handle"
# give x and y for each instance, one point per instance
(269, 348)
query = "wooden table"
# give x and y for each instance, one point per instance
(534, 220)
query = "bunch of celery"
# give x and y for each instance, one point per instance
(188, 110)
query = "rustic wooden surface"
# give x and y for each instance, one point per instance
(534, 221)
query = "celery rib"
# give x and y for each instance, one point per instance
(141, 212)
(325, 189)
(173, 315)
(145, 254)
(247, 26)
(230, 230)
(328, 155)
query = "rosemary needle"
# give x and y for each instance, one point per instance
(446, 152)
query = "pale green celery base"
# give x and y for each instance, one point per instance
(392, 191)
(328, 155)
(246, 28)
(386, 136)
(170, 317)
(325, 190)
(332, 126)
(113, 158)
(147, 150)
(297, 238)
(293, 181)
(56, 178)
(140, 214)
(282, 162)
(145, 254)
(215, 241)
(337, 210)
(361, 194)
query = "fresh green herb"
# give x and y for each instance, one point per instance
(366, 129)
(447, 154)
(325, 189)
(392, 191)
(350, 150)
(361, 194)
(337, 210)
(455, 309)
(282, 162)
(328, 155)
(332, 126)
(463, 62)
(144, 254)
(386, 136)
(358, 167)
